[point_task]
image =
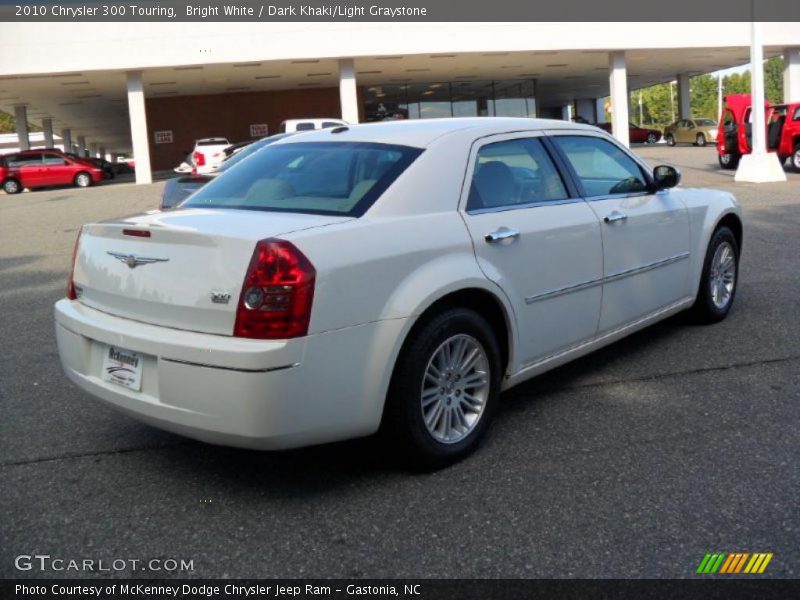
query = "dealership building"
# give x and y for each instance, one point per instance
(148, 90)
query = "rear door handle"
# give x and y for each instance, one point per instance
(501, 235)
(615, 217)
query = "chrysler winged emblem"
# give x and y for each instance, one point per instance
(134, 261)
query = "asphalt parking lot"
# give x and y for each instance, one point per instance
(632, 462)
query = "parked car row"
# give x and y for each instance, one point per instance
(33, 169)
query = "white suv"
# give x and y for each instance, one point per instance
(208, 154)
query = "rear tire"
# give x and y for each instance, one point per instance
(729, 161)
(700, 140)
(12, 186)
(82, 180)
(720, 278)
(652, 138)
(795, 158)
(444, 390)
(670, 140)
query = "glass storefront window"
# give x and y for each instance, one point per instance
(479, 98)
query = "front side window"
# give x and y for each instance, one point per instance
(333, 178)
(307, 126)
(602, 167)
(54, 159)
(513, 173)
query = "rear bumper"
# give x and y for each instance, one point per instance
(231, 391)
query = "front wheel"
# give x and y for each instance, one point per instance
(444, 390)
(652, 138)
(83, 180)
(728, 161)
(11, 186)
(670, 140)
(796, 158)
(720, 276)
(700, 140)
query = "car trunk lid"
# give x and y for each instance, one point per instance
(181, 269)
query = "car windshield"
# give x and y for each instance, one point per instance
(326, 178)
(705, 122)
(248, 150)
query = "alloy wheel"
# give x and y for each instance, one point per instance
(455, 388)
(723, 275)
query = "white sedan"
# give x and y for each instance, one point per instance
(394, 276)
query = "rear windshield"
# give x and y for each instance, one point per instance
(705, 122)
(212, 142)
(326, 178)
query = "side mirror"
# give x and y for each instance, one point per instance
(666, 176)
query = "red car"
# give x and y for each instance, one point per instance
(41, 168)
(636, 134)
(735, 131)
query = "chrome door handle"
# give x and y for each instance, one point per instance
(501, 235)
(615, 217)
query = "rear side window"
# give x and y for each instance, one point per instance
(25, 160)
(307, 126)
(514, 173)
(328, 178)
(328, 124)
(602, 167)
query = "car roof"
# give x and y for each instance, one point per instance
(423, 132)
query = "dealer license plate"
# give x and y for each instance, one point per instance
(123, 367)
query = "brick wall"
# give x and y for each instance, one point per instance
(229, 115)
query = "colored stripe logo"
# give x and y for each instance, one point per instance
(732, 563)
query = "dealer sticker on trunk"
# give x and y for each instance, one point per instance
(123, 367)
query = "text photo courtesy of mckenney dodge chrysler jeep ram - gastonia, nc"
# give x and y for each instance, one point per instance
(391, 277)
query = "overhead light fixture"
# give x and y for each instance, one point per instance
(318, 74)
(163, 83)
(368, 72)
(388, 57)
(245, 65)
(74, 83)
(555, 65)
(511, 66)
(416, 70)
(191, 68)
(443, 55)
(267, 77)
(304, 62)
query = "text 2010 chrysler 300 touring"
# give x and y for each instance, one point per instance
(394, 276)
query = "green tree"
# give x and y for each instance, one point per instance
(7, 123)
(773, 81)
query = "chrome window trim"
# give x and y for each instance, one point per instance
(607, 279)
(536, 204)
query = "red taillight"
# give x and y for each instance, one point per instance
(276, 297)
(71, 292)
(199, 159)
